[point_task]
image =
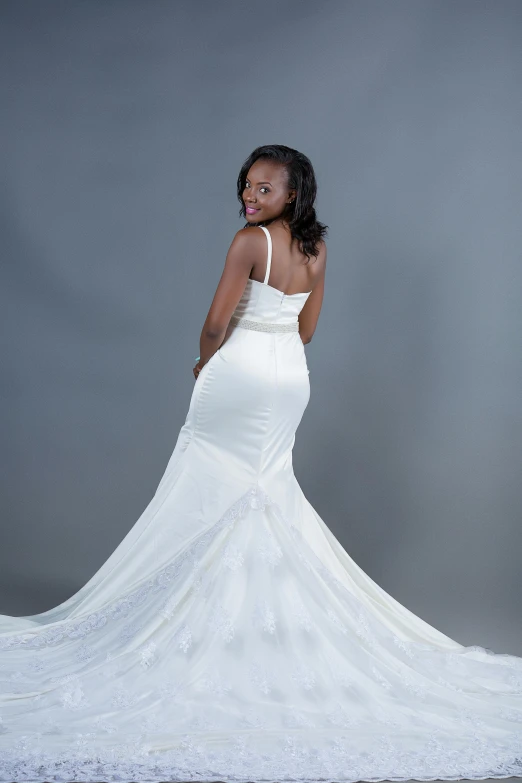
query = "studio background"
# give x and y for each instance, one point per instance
(124, 126)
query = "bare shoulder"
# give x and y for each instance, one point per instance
(247, 245)
(248, 237)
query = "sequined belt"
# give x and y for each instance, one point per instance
(260, 326)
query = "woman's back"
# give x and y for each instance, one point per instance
(291, 270)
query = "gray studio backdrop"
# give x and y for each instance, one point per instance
(124, 125)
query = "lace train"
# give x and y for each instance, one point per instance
(283, 671)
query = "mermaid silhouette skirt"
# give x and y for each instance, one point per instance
(230, 637)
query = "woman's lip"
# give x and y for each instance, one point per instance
(251, 210)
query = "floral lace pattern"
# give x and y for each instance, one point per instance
(246, 658)
(295, 756)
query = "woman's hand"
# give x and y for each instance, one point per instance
(197, 369)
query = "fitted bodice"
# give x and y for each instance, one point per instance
(262, 302)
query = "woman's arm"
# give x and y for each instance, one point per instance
(309, 315)
(245, 248)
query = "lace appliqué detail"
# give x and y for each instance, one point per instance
(216, 684)
(184, 638)
(260, 677)
(254, 498)
(304, 676)
(301, 614)
(221, 623)
(148, 654)
(71, 694)
(123, 699)
(232, 557)
(269, 550)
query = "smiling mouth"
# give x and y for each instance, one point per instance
(251, 210)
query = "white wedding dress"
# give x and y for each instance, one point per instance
(230, 637)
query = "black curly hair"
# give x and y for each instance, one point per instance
(300, 214)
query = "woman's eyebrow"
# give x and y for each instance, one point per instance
(260, 183)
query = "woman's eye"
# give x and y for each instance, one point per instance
(247, 186)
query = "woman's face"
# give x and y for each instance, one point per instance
(266, 191)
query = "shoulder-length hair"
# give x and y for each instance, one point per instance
(300, 214)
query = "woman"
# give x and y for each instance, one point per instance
(230, 637)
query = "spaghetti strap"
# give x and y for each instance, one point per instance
(269, 255)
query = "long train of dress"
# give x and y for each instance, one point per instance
(230, 637)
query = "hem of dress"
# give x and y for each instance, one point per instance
(144, 777)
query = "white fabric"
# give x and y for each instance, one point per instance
(230, 637)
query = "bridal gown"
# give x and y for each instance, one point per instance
(230, 637)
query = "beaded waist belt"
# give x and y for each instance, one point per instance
(260, 326)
